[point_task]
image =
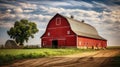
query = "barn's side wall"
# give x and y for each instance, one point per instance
(83, 42)
(59, 33)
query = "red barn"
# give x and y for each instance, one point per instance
(64, 32)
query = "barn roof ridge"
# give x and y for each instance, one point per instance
(74, 19)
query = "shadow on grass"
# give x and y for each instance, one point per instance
(114, 62)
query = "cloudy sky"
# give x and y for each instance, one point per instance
(104, 15)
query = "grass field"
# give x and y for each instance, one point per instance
(9, 55)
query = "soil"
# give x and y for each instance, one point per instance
(86, 59)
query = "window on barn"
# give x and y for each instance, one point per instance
(80, 43)
(48, 33)
(58, 21)
(68, 32)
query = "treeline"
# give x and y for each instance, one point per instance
(23, 47)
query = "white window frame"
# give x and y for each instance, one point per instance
(68, 32)
(58, 21)
(48, 34)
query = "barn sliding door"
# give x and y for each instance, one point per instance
(55, 44)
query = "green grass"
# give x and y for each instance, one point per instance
(9, 55)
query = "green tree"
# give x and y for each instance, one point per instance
(22, 30)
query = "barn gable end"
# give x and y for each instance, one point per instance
(58, 29)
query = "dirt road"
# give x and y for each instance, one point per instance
(87, 59)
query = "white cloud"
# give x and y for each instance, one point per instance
(101, 5)
(7, 5)
(21, 16)
(68, 3)
(27, 5)
(52, 9)
(58, 3)
(8, 10)
(111, 7)
(18, 10)
(81, 3)
(6, 24)
(60, 10)
(41, 17)
(112, 16)
(7, 15)
(28, 11)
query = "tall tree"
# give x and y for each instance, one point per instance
(22, 30)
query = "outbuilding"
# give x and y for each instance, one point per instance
(62, 32)
(11, 44)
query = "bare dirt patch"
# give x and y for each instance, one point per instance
(86, 59)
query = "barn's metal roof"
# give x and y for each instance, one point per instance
(83, 29)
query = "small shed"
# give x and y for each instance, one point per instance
(10, 44)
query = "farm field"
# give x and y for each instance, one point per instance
(9, 55)
(80, 58)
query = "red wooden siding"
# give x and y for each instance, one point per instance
(83, 42)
